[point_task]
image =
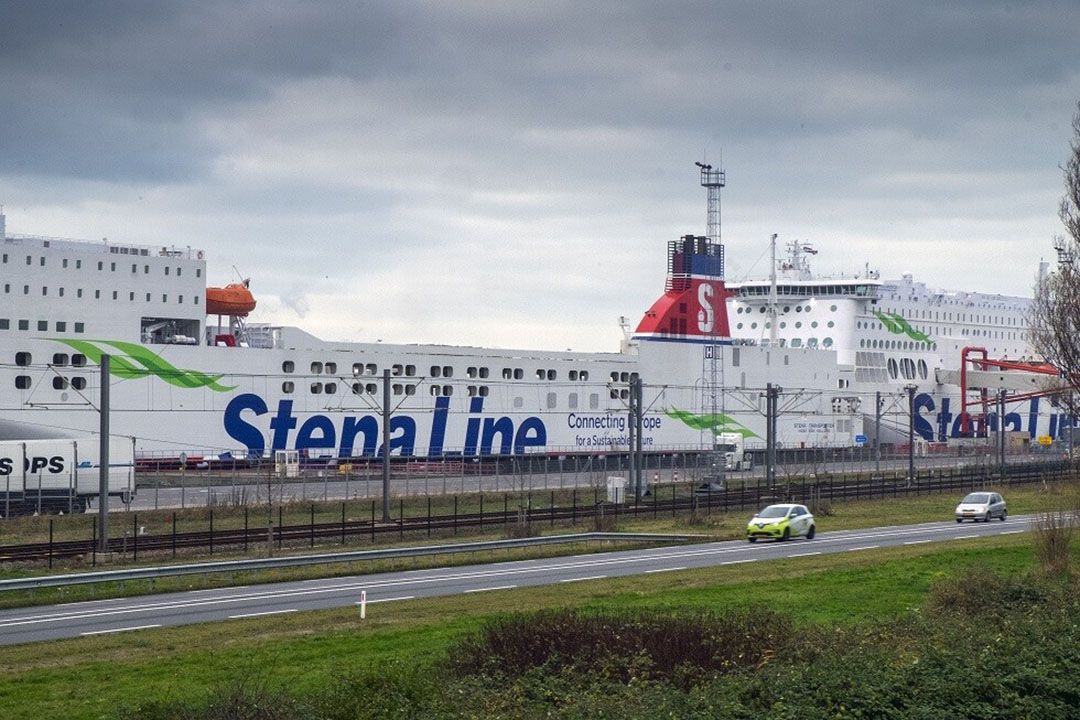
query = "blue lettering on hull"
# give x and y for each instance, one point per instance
(484, 435)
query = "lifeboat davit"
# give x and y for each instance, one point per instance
(233, 299)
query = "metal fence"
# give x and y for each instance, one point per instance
(527, 509)
(228, 482)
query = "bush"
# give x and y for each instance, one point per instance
(623, 646)
(1053, 534)
(978, 591)
(241, 699)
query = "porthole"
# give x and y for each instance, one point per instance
(60, 359)
(827, 342)
(316, 368)
(22, 382)
(79, 383)
(330, 388)
(59, 383)
(23, 359)
(331, 368)
(287, 387)
(288, 366)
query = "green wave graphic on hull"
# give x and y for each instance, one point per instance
(898, 325)
(716, 422)
(138, 362)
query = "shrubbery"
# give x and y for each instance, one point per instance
(984, 646)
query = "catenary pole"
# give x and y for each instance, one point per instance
(877, 431)
(639, 421)
(103, 458)
(911, 433)
(386, 445)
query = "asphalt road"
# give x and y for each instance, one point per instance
(37, 624)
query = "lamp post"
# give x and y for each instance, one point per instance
(911, 432)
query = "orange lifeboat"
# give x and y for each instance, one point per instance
(233, 299)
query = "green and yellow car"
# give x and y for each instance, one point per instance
(781, 522)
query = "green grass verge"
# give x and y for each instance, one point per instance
(92, 677)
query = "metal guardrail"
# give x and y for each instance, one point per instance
(353, 556)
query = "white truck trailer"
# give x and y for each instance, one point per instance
(61, 475)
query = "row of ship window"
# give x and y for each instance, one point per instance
(101, 266)
(97, 294)
(23, 382)
(896, 345)
(447, 371)
(960, 317)
(25, 359)
(42, 325)
(786, 308)
(798, 324)
(907, 368)
(331, 388)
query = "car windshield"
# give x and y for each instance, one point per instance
(774, 511)
(977, 499)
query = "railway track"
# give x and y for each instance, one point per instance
(707, 501)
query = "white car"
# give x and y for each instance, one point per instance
(781, 522)
(981, 506)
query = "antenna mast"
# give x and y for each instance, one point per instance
(712, 400)
(712, 180)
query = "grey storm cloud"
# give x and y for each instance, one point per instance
(556, 137)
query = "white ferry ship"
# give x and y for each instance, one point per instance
(190, 374)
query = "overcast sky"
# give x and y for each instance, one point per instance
(499, 173)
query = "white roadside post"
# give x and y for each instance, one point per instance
(363, 604)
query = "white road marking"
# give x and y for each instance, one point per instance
(916, 542)
(261, 614)
(864, 547)
(737, 562)
(660, 570)
(805, 554)
(966, 537)
(119, 630)
(1010, 532)
(488, 589)
(582, 579)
